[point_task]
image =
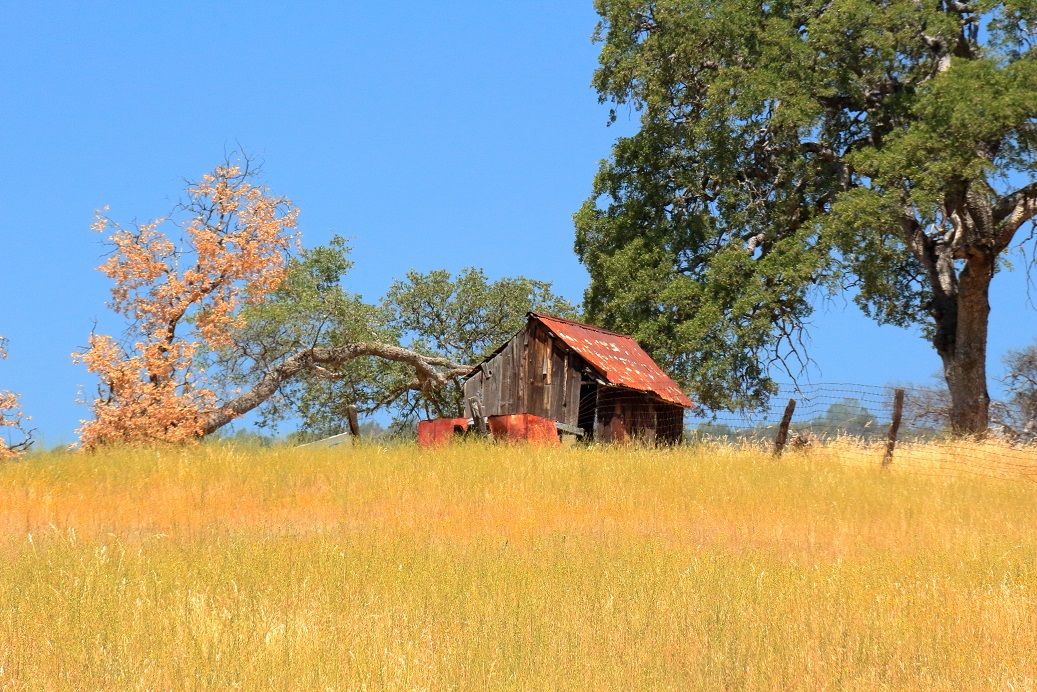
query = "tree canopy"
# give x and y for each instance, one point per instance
(226, 313)
(788, 150)
(223, 316)
(464, 318)
(457, 319)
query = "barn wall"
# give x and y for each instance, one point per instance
(670, 422)
(533, 373)
(623, 415)
(536, 373)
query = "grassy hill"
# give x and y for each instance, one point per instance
(512, 567)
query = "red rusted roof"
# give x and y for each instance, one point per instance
(618, 357)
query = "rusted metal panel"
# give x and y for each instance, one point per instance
(432, 433)
(524, 427)
(522, 381)
(534, 374)
(541, 372)
(506, 402)
(617, 357)
(557, 386)
(492, 385)
(547, 372)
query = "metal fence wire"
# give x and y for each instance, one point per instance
(854, 420)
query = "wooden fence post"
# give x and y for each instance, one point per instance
(894, 426)
(480, 422)
(783, 429)
(354, 423)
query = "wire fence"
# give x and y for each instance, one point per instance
(863, 424)
(823, 411)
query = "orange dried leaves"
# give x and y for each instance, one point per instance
(143, 400)
(178, 297)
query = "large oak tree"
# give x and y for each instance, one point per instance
(447, 318)
(791, 148)
(226, 314)
(191, 360)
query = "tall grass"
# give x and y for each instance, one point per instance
(509, 567)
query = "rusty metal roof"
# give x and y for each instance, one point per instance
(618, 357)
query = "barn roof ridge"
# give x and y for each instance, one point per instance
(592, 327)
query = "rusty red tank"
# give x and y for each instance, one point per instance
(524, 427)
(432, 433)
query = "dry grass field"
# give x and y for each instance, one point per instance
(479, 566)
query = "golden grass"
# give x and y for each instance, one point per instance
(507, 567)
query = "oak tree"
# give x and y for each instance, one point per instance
(791, 149)
(185, 285)
(462, 318)
(443, 317)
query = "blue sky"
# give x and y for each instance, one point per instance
(435, 135)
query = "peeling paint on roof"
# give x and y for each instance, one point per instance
(618, 357)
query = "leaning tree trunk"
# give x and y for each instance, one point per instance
(432, 372)
(961, 341)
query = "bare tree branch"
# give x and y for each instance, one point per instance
(1012, 211)
(432, 373)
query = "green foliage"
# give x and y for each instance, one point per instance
(461, 319)
(784, 149)
(464, 319)
(310, 309)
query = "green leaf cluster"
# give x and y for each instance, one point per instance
(461, 318)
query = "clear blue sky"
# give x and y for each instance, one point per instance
(432, 134)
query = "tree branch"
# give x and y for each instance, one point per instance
(1012, 211)
(432, 372)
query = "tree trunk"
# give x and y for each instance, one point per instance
(961, 341)
(432, 372)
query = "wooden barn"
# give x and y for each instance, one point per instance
(591, 382)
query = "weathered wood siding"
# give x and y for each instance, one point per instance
(623, 415)
(533, 373)
(538, 374)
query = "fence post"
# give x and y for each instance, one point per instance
(354, 423)
(783, 429)
(480, 422)
(894, 426)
